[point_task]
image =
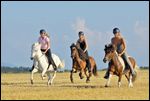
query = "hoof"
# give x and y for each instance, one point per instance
(119, 84)
(81, 77)
(106, 86)
(87, 81)
(48, 84)
(130, 85)
(72, 82)
(32, 82)
(43, 78)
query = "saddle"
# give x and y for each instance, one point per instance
(82, 55)
(124, 64)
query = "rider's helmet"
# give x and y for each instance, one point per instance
(81, 33)
(42, 31)
(116, 30)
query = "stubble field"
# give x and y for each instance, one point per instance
(17, 87)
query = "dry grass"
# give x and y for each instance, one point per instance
(17, 86)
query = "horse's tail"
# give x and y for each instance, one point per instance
(62, 64)
(136, 72)
(95, 70)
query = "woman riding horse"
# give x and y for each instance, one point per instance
(44, 40)
(120, 44)
(83, 46)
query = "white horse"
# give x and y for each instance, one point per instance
(41, 63)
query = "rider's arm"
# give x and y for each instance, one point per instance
(124, 45)
(86, 45)
(78, 44)
(112, 42)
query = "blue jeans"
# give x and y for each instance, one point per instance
(126, 59)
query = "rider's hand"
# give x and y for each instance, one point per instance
(45, 52)
(119, 54)
(84, 50)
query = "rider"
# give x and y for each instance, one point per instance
(82, 44)
(44, 40)
(120, 44)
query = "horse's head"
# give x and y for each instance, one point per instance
(109, 52)
(73, 51)
(35, 47)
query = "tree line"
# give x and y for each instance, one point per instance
(6, 69)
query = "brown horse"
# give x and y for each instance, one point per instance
(80, 65)
(117, 65)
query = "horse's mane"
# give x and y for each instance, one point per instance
(110, 47)
(80, 51)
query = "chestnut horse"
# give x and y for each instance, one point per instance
(117, 66)
(80, 64)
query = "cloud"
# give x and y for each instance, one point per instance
(94, 37)
(141, 30)
(138, 45)
(79, 25)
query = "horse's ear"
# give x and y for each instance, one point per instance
(39, 44)
(105, 46)
(71, 45)
(113, 47)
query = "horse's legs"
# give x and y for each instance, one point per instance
(54, 75)
(80, 74)
(85, 72)
(43, 73)
(108, 80)
(127, 76)
(33, 71)
(71, 76)
(119, 80)
(49, 78)
(90, 74)
(130, 80)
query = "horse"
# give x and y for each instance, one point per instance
(41, 63)
(117, 66)
(80, 65)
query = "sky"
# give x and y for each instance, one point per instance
(21, 22)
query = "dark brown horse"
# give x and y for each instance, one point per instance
(79, 64)
(117, 65)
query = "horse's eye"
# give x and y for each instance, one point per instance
(35, 50)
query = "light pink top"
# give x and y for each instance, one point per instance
(43, 42)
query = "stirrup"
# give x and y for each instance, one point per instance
(55, 68)
(106, 76)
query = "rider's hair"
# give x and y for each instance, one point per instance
(47, 35)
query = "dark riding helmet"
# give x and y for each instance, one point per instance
(116, 30)
(81, 33)
(42, 31)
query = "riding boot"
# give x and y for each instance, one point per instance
(31, 68)
(52, 62)
(88, 65)
(106, 75)
(126, 59)
(54, 65)
(50, 59)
